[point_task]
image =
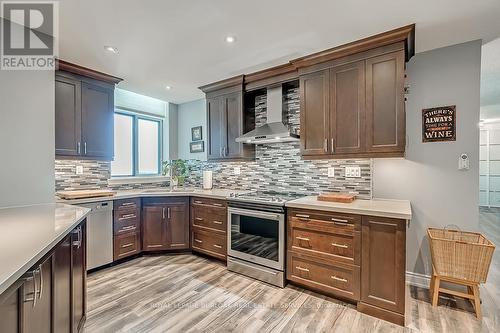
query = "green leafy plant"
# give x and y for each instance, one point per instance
(177, 169)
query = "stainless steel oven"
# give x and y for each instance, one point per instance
(256, 241)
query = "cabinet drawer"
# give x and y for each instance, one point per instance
(336, 223)
(340, 280)
(197, 201)
(127, 204)
(338, 247)
(126, 245)
(210, 243)
(126, 220)
(209, 217)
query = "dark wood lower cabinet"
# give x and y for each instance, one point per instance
(165, 224)
(383, 269)
(357, 258)
(50, 297)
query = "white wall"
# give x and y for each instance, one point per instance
(440, 194)
(26, 137)
(190, 115)
(173, 131)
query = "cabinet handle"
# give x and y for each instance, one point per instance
(217, 222)
(128, 216)
(40, 273)
(78, 242)
(35, 289)
(85, 148)
(340, 245)
(339, 220)
(128, 203)
(168, 212)
(333, 145)
(198, 219)
(338, 279)
(217, 204)
(163, 213)
(79, 147)
(198, 241)
(130, 227)
(302, 238)
(325, 145)
(217, 246)
(302, 269)
(127, 245)
(302, 216)
(198, 202)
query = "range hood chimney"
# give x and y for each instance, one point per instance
(274, 131)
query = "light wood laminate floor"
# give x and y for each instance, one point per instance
(188, 293)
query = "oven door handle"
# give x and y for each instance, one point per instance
(254, 213)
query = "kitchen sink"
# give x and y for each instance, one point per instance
(163, 190)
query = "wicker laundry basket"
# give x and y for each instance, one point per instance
(459, 257)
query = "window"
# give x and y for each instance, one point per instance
(137, 145)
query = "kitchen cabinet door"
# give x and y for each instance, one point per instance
(233, 114)
(178, 225)
(37, 302)
(216, 128)
(79, 277)
(314, 113)
(385, 109)
(62, 286)
(347, 108)
(383, 266)
(10, 309)
(97, 120)
(68, 114)
(154, 233)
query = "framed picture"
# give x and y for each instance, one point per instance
(439, 124)
(197, 147)
(196, 134)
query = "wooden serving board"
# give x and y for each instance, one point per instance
(81, 194)
(337, 197)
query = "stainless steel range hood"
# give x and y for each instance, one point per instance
(274, 131)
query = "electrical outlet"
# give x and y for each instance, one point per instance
(331, 172)
(79, 169)
(237, 170)
(352, 171)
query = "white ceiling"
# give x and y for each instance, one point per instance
(181, 43)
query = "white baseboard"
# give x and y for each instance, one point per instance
(418, 280)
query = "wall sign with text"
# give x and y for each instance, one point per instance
(439, 124)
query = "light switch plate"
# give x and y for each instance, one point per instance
(352, 171)
(79, 169)
(331, 172)
(237, 170)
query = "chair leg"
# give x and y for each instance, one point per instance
(435, 291)
(431, 285)
(477, 301)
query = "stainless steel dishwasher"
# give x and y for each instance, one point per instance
(99, 234)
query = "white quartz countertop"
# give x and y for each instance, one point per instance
(159, 192)
(399, 209)
(28, 233)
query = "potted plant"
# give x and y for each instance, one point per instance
(178, 171)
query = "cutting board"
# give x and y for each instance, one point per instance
(337, 197)
(81, 194)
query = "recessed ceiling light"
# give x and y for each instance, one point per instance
(111, 49)
(168, 87)
(230, 39)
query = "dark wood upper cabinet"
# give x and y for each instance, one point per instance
(347, 108)
(227, 120)
(84, 112)
(165, 224)
(98, 120)
(314, 115)
(364, 112)
(215, 126)
(68, 115)
(385, 108)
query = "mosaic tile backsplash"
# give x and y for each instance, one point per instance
(276, 167)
